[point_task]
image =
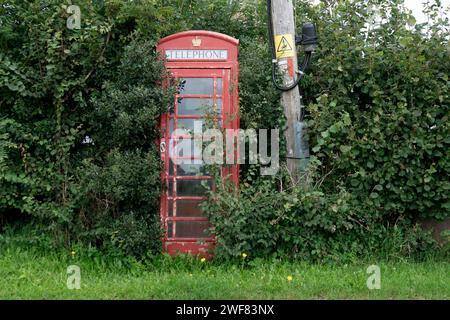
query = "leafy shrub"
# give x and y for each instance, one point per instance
(377, 109)
(120, 185)
(81, 112)
(379, 125)
(303, 222)
(119, 203)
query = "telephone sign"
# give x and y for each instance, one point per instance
(196, 54)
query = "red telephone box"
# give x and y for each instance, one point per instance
(205, 64)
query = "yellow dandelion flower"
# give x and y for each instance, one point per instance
(244, 255)
(290, 278)
(202, 260)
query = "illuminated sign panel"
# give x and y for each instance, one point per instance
(189, 54)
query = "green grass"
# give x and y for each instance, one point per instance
(33, 274)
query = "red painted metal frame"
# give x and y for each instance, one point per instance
(228, 70)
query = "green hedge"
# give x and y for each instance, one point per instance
(377, 101)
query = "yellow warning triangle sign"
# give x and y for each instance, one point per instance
(284, 45)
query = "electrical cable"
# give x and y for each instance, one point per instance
(304, 65)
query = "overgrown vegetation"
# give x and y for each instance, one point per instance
(79, 110)
(27, 273)
(377, 104)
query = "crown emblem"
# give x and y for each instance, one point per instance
(196, 42)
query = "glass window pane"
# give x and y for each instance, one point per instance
(188, 124)
(197, 107)
(192, 188)
(170, 207)
(192, 229)
(197, 168)
(189, 208)
(170, 188)
(219, 106)
(171, 164)
(185, 148)
(212, 124)
(197, 86)
(219, 86)
(170, 229)
(194, 106)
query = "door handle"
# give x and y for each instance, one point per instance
(162, 147)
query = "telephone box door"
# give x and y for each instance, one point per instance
(203, 95)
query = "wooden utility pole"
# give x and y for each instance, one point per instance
(284, 33)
